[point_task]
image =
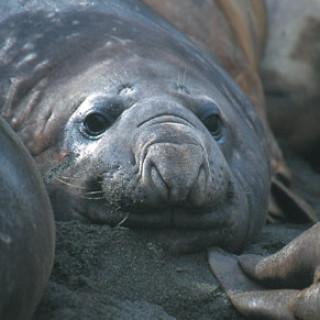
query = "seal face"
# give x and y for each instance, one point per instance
(139, 131)
(26, 230)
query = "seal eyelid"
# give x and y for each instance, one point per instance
(111, 109)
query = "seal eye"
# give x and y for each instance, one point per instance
(209, 114)
(95, 123)
(213, 124)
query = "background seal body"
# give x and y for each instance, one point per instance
(27, 232)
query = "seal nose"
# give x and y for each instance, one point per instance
(175, 173)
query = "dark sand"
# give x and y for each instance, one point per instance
(105, 273)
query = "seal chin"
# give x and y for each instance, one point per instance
(181, 240)
(187, 240)
(182, 231)
(192, 228)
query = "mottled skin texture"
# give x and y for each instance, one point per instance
(26, 230)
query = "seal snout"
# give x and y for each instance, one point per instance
(175, 174)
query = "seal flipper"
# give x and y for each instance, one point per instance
(249, 297)
(307, 304)
(287, 205)
(294, 266)
(297, 265)
(229, 273)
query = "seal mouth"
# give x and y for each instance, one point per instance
(178, 228)
(134, 210)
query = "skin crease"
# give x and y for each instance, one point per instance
(49, 112)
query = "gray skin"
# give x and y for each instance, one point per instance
(27, 233)
(135, 130)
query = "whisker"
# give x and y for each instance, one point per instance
(70, 178)
(184, 77)
(178, 81)
(95, 192)
(69, 184)
(123, 220)
(93, 198)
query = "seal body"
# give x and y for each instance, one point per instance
(143, 131)
(26, 230)
(290, 73)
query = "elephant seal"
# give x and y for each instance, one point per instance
(27, 233)
(145, 132)
(148, 132)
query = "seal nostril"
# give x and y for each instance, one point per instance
(199, 188)
(159, 183)
(202, 177)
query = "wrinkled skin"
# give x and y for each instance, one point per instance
(287, 283)
(296, 266)
(27, 232)
(138, 131)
